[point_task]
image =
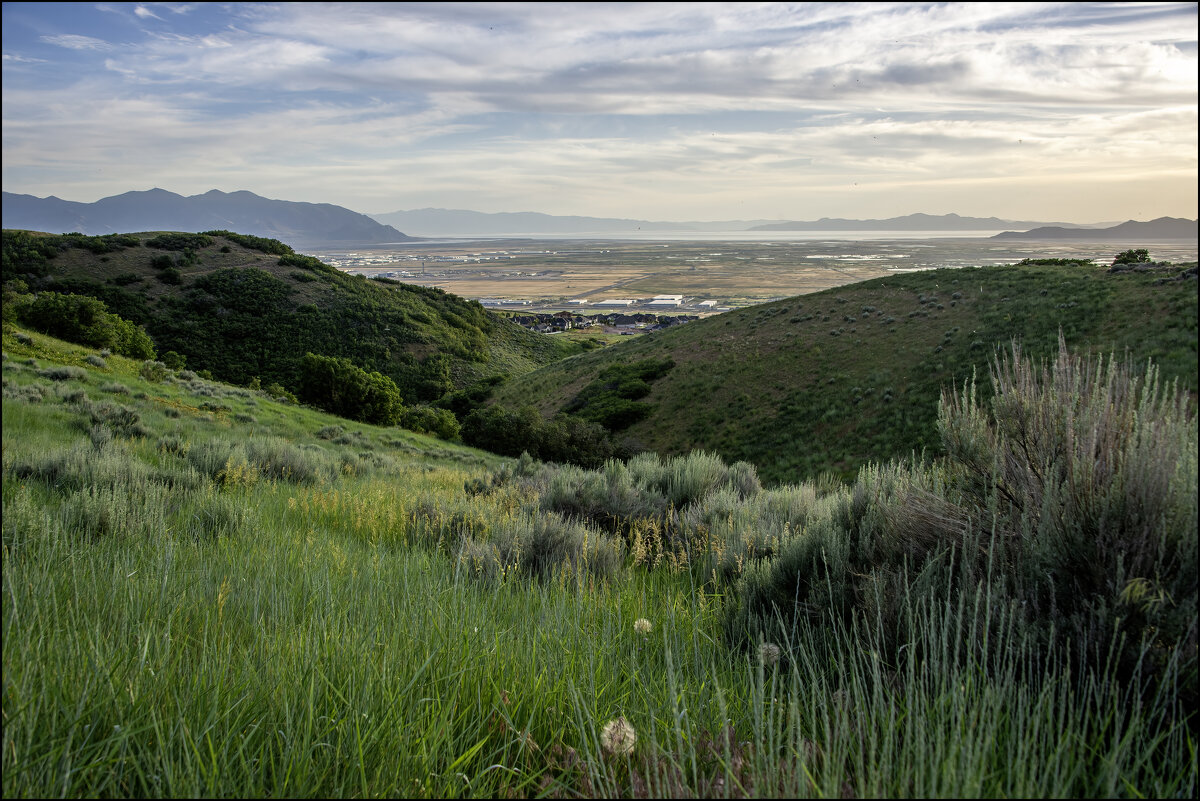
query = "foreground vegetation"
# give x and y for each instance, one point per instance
(208, 592)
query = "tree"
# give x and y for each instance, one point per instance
(340, 387)
(86, 321)
(1140, 256)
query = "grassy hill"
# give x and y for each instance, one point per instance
(833, 380)
(209, 593)
(243, 307)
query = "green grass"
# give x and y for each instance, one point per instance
(184, 617)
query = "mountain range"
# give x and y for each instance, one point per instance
(297, 224)
(1133, 230)
(460, 222)
(316, 225)
(911, 222)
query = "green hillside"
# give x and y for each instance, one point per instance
(836, 379)
(244, 307)
(210, 593)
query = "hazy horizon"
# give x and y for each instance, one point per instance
(679, 112)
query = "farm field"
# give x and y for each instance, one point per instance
(548, 274)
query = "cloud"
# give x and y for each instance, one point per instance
(15, 59)
(74, 41)
(575, 105)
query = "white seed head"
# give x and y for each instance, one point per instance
(618, 737)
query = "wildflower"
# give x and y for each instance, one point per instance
(642, 626)
(768, 653)
(617, 736)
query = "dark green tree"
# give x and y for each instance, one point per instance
(86, 321)
(340, 387)
(1139, 256)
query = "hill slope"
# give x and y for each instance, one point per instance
(297, 224)
(243, 307)
(835, 379)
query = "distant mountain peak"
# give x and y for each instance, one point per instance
(297, 224)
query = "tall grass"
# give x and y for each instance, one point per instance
(199, 610)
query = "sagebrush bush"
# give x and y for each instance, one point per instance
(1073, 498)
(123, 421)
(81, 465)
(1089, 467)
(154, 371)
(24, 393)
(114, 511)
(277, 458)
(64, 373)
(540, 545)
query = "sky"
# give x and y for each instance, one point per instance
(1073, 112)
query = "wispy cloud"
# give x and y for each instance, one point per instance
(73, 41)
(768, 109)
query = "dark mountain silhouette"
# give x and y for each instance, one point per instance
(1161, 228)
(297, 224)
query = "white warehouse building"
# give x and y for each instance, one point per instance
(667, 300)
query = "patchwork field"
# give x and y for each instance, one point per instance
(549, 274)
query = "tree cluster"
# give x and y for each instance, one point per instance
(339, 387)
(86, 321)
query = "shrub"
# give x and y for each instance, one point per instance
(261, 244)
(171, 276)
(279, 392)
(179, 241)
(86, 321)
(1091, 469)
(305, 262)
(153, 371)
(116, 511)
(1071, 503)
(339, 387)
(64, 373)
(28, 393)
(174, 361)
(612, 399)
(121, 420)
(174, 445)
(540, 546)
(330, 432)
(441, 423)
(278, 459)
(1139, 256)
